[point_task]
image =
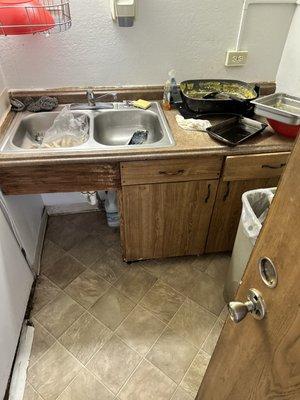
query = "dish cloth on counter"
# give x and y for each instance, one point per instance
(192, 124)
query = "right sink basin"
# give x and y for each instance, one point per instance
(116, 127)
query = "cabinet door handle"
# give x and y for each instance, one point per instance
(274, 166)
(171, 173)
(208, 193)
(227, 192)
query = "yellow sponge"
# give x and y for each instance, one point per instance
(144, 104)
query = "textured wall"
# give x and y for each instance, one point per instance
(4, 102)
(288, 78)
(190, 35)
(2, 82)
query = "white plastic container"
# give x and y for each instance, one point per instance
(111, 208)
(256, 204)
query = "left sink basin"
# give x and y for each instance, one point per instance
(31, 128)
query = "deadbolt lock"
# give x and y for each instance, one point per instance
(255, 306)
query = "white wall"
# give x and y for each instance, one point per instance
(4, 102)
(61, 199)
(288, 77)
(190, 35)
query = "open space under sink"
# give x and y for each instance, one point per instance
(107, 129)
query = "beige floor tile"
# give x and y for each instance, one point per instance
(45, 292)
(218, 267)
(110, 266)
(211, 341)
(87, 288)
(85, 337)
(64, 270)
(110, 236)
(181, 394)
(193, 323)
(91, 222)
(224, 314)
(30, 393)
(148, 383)
(135, 283)
(180, 275)
(58, 315)
(42, 341)
(114, 363)
(162, 301)
(154, 267)
(51, 253)
(140, 330)
(202, 262)
(89, 250)
(172, 354)
(64, 233)
(86, 387)
(195, 374)
(112, 308)
(208, 292)
(53, 372)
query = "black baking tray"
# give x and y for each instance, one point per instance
(235, 130)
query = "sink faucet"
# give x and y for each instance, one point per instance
(90, 95)
(93, 103)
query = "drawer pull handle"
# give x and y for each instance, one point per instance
(208, 193)
(172, 173)
(227, 191)
(274, 166)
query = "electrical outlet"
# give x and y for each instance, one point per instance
(236, 58)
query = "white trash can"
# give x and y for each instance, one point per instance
(256, 205)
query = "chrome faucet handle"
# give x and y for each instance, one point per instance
(90, 95)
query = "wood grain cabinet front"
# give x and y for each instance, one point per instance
(166, 219)
(174, 170)
(240, 174)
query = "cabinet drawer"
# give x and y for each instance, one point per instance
(254, 166)
(175, 170)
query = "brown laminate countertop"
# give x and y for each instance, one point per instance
(187, 144)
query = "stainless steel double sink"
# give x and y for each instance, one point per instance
(108, 129)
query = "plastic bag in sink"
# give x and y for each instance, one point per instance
(67, 130)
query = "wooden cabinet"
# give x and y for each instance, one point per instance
(184, 206)
(166, 219)
(240, 174)
(166, 206)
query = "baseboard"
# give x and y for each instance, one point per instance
(71, 208)
(19, 373)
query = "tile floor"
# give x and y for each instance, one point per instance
(107, 330)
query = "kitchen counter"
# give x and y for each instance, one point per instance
(187, 144)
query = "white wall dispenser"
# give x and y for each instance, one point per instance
(123, 12)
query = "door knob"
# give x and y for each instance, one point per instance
(255, 306)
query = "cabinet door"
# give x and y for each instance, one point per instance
(227, 212)
(166, 219)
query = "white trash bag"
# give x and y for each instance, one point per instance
(256, 204)
(67, 130)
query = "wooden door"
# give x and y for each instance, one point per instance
(260, 360)
(227, 212)
(166, 219)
